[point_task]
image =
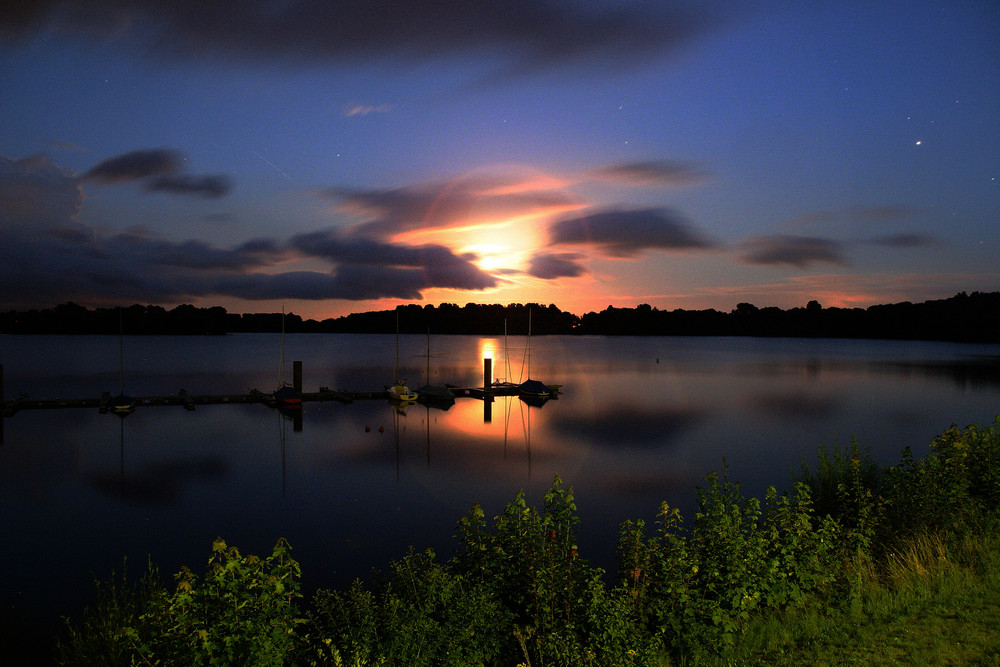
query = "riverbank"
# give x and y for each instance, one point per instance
(858, 563)
(932, 607)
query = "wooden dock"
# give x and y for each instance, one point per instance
(190, 401)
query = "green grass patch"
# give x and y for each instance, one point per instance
(933, 604)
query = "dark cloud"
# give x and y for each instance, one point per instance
(422, 266)
(458, 202)
(628, 232)
(528, 34)
(158, 252)
(906, 240)
(549, 266)
(36, 193)
(206, 186)
(48, 256)
(798, 251)
(653, 173)
(135, 166)
(158, 168)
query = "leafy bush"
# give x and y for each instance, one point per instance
(694, 589)
(242, 612)
(518, 591)
(421, 614)
(954, 488)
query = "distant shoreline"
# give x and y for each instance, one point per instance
(972, 318)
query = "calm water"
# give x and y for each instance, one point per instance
(640, 420)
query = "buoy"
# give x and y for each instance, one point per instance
(368, 429)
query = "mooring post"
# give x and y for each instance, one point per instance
(487, 390)
(297, 376)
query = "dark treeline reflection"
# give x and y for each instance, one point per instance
(964, 317)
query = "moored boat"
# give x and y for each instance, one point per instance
(285, 396)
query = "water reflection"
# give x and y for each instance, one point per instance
(353, 485)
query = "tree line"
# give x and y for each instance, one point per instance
(964, 317)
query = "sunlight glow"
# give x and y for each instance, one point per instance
(488, 348)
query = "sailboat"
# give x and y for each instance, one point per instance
(504, 384)
(398, 391)
(122, 404)
(429, 393)
(285, 395)
(530, 388)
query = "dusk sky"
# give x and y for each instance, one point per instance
(337, 157)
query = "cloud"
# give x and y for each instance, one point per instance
(461, 201)
(158, 168)
(549, 266)
(625, 233)
(36, 193)
(653, 173)
(906, 240)
(417, 267)
(206, 186)
(365, 109)
(528, 34)
(153, 251)
(134, 166)
(48, 256)
(798, 251)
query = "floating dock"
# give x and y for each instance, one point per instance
(190, 401)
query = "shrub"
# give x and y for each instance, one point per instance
(420, 614)
(518, 591)
(242, 612)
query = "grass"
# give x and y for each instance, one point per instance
(932, 604)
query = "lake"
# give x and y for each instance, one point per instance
(639, 421)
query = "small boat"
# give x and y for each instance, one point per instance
(122, 404)
(433, 393)
(532, 388)
(398, 391)
(503, 385)
(285, 396)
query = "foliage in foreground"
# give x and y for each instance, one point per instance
(518, 592)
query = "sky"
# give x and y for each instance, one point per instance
(334, 157)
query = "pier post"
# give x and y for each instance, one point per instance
(487, 390)
(297, 376)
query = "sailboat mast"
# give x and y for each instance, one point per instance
(395, 362)
(281, 358)
(121, 352)
(529, 343)
(506, 354)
